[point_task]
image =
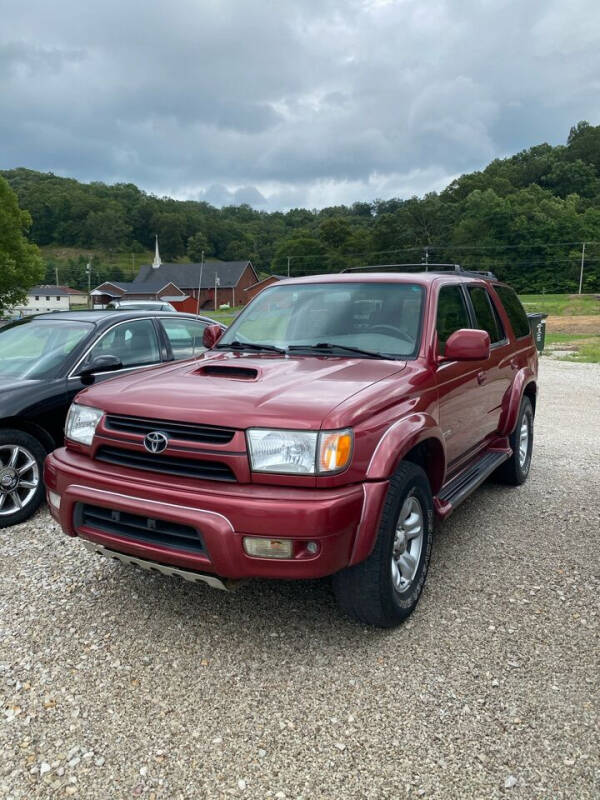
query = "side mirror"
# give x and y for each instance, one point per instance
(105, 363)
(468, 344)
(211, 335)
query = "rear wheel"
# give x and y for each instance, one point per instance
(21, 486)
(515, 471)
(384, 589)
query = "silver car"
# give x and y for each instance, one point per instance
(140, 305)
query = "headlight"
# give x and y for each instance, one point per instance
(299, 452)
(81, 423)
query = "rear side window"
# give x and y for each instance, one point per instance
(452, 314)
(514, 310)
(486, 316)
(185, 336)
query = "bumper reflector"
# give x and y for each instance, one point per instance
(268, 548)
(54, 500)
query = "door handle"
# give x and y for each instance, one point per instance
(514, 364)
(481, 377)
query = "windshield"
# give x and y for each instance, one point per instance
(37, 349)
(377, 318)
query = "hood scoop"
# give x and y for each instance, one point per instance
(233, 373)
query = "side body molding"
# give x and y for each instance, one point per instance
(512, 400)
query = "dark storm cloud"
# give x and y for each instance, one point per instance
(295, 103)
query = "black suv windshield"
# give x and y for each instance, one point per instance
(37, 348)
(324, 318)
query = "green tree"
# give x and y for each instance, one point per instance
(20, 264)
(307, 255)
(334, 231)
(195, 245)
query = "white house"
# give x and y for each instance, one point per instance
(44, 298)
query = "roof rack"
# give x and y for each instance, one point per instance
(424, 268)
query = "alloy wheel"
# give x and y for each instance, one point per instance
(408, 543)
(19, 478)
(524, 434)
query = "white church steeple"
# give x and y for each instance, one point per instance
(157, 262)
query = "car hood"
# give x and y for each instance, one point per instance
(236, 390)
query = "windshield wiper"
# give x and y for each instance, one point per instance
(330, 347)
(237, 345)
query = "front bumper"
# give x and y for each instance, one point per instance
(342, 521)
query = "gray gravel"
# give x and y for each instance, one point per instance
(116, 683)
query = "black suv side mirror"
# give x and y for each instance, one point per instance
(105, 363)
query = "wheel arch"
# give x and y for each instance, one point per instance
(416, 438)
(32, 428)
(524, 385)
(530, 391)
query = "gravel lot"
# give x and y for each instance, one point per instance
(116, 684)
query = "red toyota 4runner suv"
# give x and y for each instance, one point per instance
(321, 434)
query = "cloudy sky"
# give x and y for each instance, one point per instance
(283, 103)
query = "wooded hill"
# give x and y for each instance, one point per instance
(525, 217)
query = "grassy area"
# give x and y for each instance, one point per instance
(562, 304)
(225, 316)
(128, 262)
(581, 347)
(566, 338)
(573, 324)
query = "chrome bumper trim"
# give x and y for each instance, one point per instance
(152, 566)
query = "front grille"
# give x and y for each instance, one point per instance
(206, 434)
(172, 465)
(134, 526)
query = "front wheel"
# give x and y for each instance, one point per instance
(384, 589)
(21, 486)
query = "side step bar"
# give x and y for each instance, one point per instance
(460, 487)
(153, 566)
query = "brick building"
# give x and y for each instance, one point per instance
(179, 284)
(257, 287)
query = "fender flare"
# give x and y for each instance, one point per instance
(400, 437)
(397, 440)
(512, 400)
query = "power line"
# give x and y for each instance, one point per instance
(446, 247)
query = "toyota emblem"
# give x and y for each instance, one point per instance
(156, 442)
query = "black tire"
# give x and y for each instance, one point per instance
(514, 472)
(366, 591)
(29, 496)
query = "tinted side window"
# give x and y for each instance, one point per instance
(514, 310)
(185, 336)
(135, 343)
(452, 314)
(485, 314)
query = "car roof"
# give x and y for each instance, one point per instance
(101, 316)
(422, 278)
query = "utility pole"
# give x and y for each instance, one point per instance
(426, 259)
(289, 259)
(88, 269)
(200, 282)
(582, 263)
(217, 283)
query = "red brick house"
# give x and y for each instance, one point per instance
(179, 284)
(257, 287)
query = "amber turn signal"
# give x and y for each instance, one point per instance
(335, 450)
